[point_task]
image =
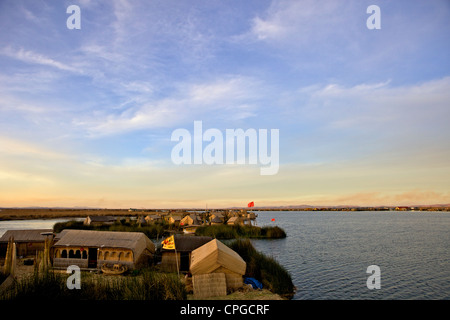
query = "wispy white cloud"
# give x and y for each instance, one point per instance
(232, 97)
(300, 21)
(31, 57)
(401, 105)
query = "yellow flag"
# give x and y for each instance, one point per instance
(169, 243)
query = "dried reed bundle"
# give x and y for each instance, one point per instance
(10, 259)
(209, 285)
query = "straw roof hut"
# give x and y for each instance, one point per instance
(216, 257)
(218, 214)
(216, 220)
(191, 219)
(152, 218)
(27, 241)
(184, 245)
(92, 249)
(235, 221)
(174, 219)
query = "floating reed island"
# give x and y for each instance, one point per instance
(162, 255)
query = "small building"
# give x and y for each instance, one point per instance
(219, 215)
(216, 220)
(99, 220)
(235, 221)
(191, 219)
(153, 218)
(92, 249)
(28, 242)
(184, 245)
(216, 265)
(174, 219)
(251, 215)
(232, 213)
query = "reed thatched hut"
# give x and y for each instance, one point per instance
(174, 219)
(92, 249)
(190, 219)
(215, 257)
(153, 218)
(184, 245)
(27, 241)
(235, 221)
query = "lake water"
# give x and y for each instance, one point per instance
(327, 253)
(30, 224)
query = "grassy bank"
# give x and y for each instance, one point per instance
(147, 285)
(152, 231)
(267, 270)
(223, 231)
(158, 229)
(49, 213)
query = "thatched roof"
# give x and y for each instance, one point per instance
(234, 220)
(216, 220)
(31, 235)
(136, 241)
(191, 219)
(214, 255)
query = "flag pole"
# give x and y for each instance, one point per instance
(176, 256)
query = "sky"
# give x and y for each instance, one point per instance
(87, 115)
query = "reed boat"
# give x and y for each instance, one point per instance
(116, 269)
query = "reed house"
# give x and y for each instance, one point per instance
(181, 257)
(216, 269)
(27, 241)
(92, 249)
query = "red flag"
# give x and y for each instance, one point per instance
(273, 219)
(251, 204)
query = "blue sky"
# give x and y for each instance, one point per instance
(86, 115)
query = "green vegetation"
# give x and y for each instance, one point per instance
(223, 231)
(146, 285)
(158, 229)
(152, 231)
(267, 270)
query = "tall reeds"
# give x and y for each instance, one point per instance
(152, 231)
(224, 231)
(266, 269)
(10, 260)
(148, 285)
(43, 258)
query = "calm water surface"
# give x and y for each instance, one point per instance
(327, 253)
(31, 224)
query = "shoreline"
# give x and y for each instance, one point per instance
(31, 214)
(63, 213)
